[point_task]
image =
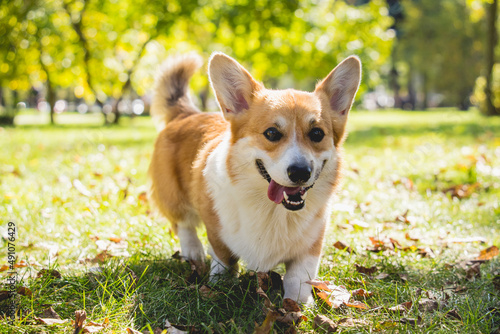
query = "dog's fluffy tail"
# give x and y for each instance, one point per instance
(171, 97)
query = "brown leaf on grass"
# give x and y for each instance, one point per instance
(365, 270)
(92, 329)
(99, 258)
(426, 252)
(462, 191)
(263, 280)
(352, 322)
(381, 276)
(48, 272)
(340, 245)
(24, 291)
(320, 285)
(171, 329)
(21, 264)
(206, 292)
(4, 267)
(453, 314)
(291, 318)
(428, 305)
(324, 323)
(357, 304)
(267, 301)
(49, 313)
(409, 237)
(473, 271)
(115, 239)
(143, 197)
(411, 321)
(290, 305)
(50, 321)
(339, 296)
(376, 242)
(488, 253)
(133, 331)
(80, 317)
(361, 293)
(177, 255)
(4, 294)
(266, 326)
(402, 308)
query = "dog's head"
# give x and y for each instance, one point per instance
(294, 134)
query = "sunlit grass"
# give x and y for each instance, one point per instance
(396, 162)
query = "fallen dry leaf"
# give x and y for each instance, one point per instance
(50, 321)
(133, 331)
(24, 291)
(4, 267)
(49, 313)
(453, 314)
(461, 191)
(428, 305)
(381, 276)
(80, 316)
(488, 253)
(290, 305)
(411, 321)
(173, 330)
(361, 293)
(321, 285)
(402, 308)
(365, 270)
(352, 322)
(206, 292)
(408, 237)
(266, 326)
(115, 239)
(21, 264)
(324, 323)
(4, 294)
(143, 197)
(473, 271)
(267, 301)
(48, 272)
(357, 304)
(92, 329)
(340, 245)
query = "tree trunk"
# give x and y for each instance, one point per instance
(393, 80)
(491, 42)
(412, 95)
(425, 91)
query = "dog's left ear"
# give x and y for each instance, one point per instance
(338, 90)
(232, 84)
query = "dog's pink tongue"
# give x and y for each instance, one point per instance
(275, 191)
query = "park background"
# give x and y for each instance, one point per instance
(416, 220)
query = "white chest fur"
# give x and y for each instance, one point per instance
(260, 232)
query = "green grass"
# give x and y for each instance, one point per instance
(396, 162)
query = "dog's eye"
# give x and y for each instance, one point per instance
(272, 134)
(316, 135)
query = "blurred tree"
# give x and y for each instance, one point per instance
(489, 107)
(442, 48)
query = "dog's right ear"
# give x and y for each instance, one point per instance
(232, 84)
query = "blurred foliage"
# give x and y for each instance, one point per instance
(101, 51)
(92, 47)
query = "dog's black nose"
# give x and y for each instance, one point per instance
(299, 173)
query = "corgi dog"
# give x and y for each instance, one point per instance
(260, 174)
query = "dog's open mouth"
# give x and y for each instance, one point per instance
(292, 198)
